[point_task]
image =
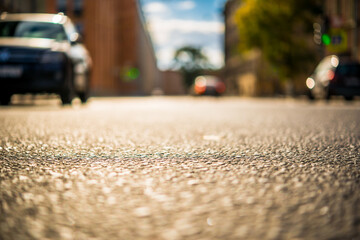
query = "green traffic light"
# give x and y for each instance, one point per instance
(326, 39)
(133, 73)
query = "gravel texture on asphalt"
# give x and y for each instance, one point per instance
(180, 168)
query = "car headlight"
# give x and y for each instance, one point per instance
(310, 83)
(52, 57)
(80, 68)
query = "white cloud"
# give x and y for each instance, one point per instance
(210, 43)
(186, 26)
(215, 56)
(165, 57)
(155, 7)
(169, 34)
(186, 5)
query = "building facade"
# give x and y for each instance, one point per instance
(115, 33)
(244, 74)
(336, 31)
(20, 6)
(341, 24)
(122, 52)
(173, 83)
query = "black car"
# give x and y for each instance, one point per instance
(335, 76)
(41, 53)
(208, 85)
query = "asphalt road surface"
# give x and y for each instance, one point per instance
(180, 168)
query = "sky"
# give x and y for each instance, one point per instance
(176, 23)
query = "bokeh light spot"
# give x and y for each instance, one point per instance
(326, 39)
(130, 74)
(133, 73)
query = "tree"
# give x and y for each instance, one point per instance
(281, 30)
(191, 62)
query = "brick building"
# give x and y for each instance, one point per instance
(115, 34)
(248, 74)
(22, 6)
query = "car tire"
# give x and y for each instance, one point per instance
(84, 96)
(310, 95)
(66, 97)
(349, 98)
(5, 99)
(68, 93)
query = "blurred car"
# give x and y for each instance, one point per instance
(42, 53)
(209, 85)
(335, 76)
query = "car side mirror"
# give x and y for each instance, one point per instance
(75, 38)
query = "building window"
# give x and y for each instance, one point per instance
(78, 7)
(354, 8)
(338, 7)
(61, 5)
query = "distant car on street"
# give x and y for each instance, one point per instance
(335, 76)
(42, 53)
(209, 85)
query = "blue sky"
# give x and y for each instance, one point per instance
(176, 23)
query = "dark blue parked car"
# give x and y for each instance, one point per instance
(335, 76)
(42, 53)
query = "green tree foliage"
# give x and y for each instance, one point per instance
(191, 62)
(281, 30)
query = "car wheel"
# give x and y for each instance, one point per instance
(349, 98)
(84, 96)
(5, 99)
(68, 92)
(310, 95)
(66, 97)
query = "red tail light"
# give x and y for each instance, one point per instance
(331, 74)
(200, 88)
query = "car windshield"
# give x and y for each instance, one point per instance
(352, 70)
(27, 29)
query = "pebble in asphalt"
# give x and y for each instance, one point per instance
(180, 168)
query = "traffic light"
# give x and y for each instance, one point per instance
(317, 33)
(325, 39)
(321, 32)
